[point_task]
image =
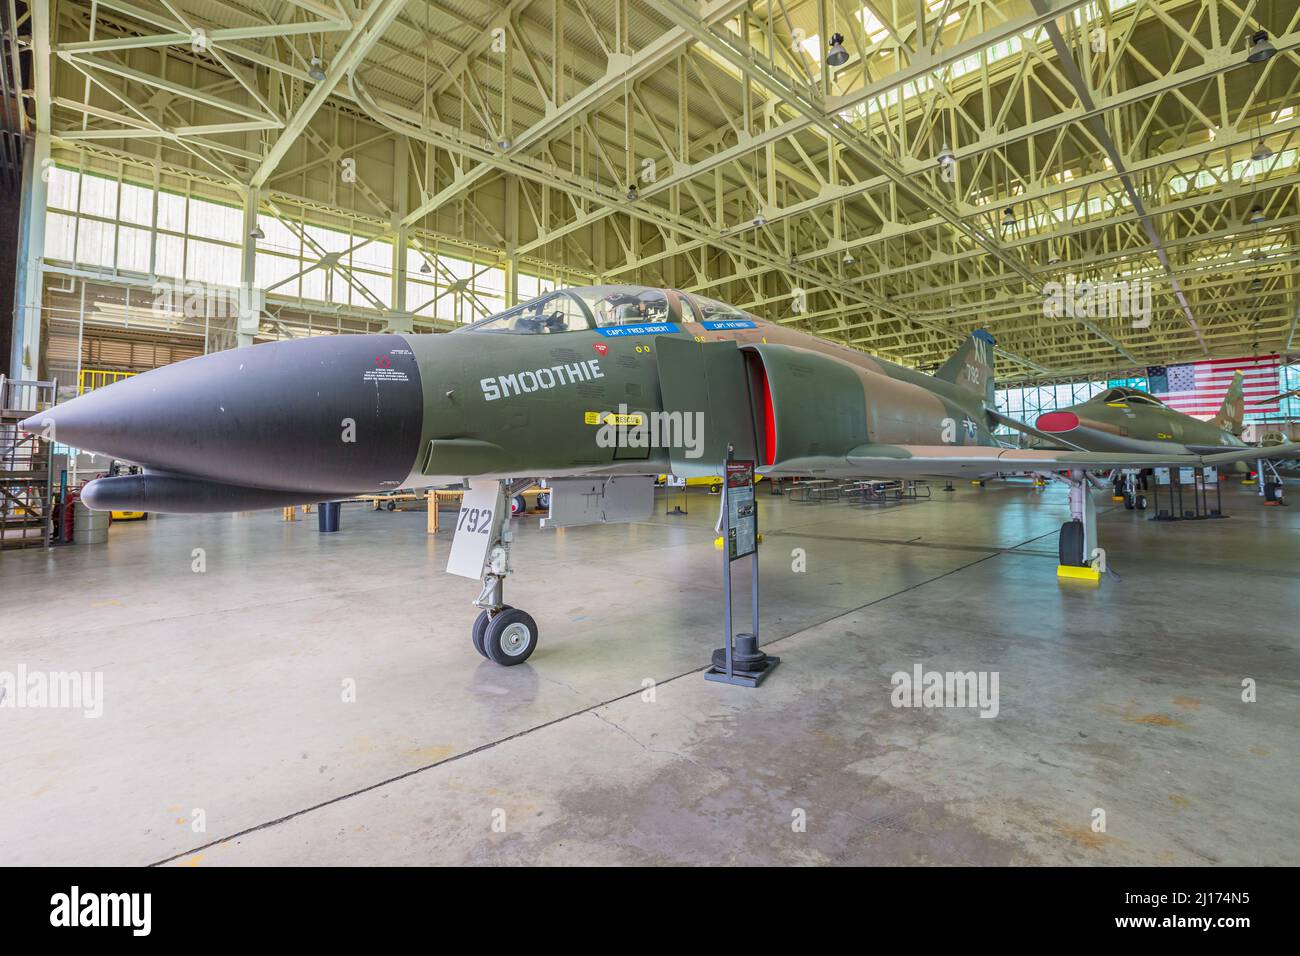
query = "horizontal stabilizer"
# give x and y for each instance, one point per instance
(1275, 398)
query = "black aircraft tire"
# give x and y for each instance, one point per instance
(1070, 545)
(543, 500)
(391, 506)
(478, 631)
(518, 505)
(1141, 502)
(511, 637)
(1129, 502)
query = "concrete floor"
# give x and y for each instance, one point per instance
(223, 693)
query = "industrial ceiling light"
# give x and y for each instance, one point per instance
(1257, 285)
(1008, 218)
(504, 143)
(836, 55)
(1260, 48)
(425, 267)
(1053, 259)
(257, 233)
(848, 258)
(759, 220)
(1256, 215)
(632, 194)
(1262, 153)
(317, 69)
(946, 155)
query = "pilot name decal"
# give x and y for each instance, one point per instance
(723, 326)
(650, 328)
(521, 383)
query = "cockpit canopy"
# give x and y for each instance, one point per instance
(1121, 394)
(602, 306)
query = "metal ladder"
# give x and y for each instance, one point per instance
(26, 466)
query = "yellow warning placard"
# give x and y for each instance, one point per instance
(612, 418)
(632, 419)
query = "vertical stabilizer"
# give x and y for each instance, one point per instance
(971, 366)
(1233, 407)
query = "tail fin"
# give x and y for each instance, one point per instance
(971, 367)
(1230, 412)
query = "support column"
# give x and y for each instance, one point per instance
(25, 357)
(511, 264)
(399, 320)
(250, 298)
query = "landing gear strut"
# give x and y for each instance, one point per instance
(1078, 539)
(1271, 485)
(503, 634)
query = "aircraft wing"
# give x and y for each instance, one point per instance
(968, 461)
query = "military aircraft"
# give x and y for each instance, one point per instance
(612, 385)
(1124, 419)
(1129, 419)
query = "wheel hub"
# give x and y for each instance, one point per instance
(514, 639)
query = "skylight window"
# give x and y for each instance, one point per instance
(876, 30)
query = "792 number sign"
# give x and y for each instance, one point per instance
(475, 520)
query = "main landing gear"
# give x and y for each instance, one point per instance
(1271, 486)
(1076, 546)
(503, 634)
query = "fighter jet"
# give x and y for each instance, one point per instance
(1129, 419)
(609, 384)
(1123, 419)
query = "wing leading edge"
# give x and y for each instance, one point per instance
(964, 461)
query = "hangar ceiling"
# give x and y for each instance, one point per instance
(965, 155)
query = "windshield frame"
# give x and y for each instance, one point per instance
(533, 304)
(585, 298)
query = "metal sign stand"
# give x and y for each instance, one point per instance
(1172, 479)
(677, 509)
(739, 661)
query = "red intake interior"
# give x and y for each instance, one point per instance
(769, 417)
(1057, 422)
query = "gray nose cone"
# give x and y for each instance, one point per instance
(333, 414)
(37, 423)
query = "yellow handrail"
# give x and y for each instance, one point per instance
(90, 379)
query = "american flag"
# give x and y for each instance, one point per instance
(1198, 389)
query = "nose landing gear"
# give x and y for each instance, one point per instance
(1131, 485)
(503, 634)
